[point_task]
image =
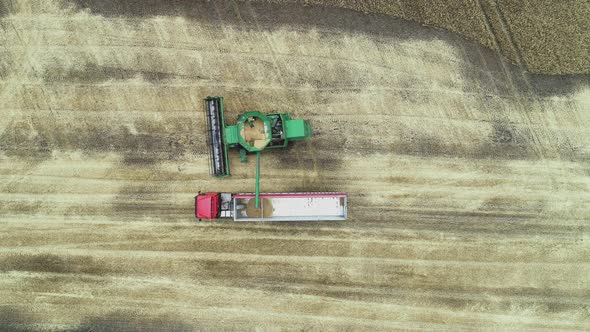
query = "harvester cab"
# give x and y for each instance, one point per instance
(252, 133)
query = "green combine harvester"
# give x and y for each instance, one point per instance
(253, 133)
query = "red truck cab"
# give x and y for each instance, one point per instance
(207, 206)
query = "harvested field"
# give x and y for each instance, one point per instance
(468, 178)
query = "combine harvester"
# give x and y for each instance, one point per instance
(255, 132)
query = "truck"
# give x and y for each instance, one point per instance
(307, 206)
